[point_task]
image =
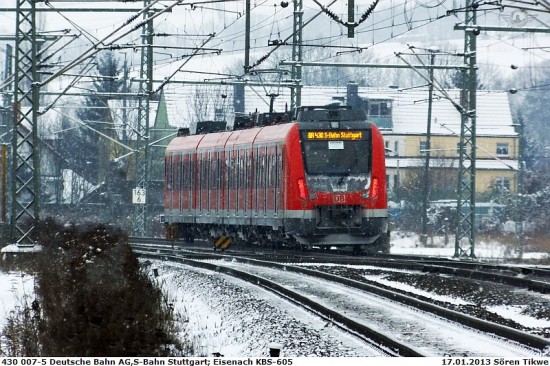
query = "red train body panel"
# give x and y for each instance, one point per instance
(314, 183)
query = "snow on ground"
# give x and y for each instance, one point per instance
(215, 326)
(15, 289)
(408, 243)
(234, 318)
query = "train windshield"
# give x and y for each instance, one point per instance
(336, 152)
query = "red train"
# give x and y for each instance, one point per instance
(320, 181)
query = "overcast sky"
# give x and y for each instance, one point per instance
(391, 28)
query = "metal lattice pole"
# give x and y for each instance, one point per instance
(465, 222)
(139, 224)
(296, 72)
(25, 188)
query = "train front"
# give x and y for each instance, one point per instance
(343, 190)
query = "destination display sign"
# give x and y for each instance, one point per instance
(334, 135)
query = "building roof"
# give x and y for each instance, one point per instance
(409, 108)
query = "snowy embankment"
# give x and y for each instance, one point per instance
(15, 288)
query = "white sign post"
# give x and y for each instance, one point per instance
(138, 196)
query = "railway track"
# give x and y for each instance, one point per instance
(525, 277)
(241, 267)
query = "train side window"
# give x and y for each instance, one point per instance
(176, 173)
(275, 167)
(206, 167)
(191, 171)
(268, 171)
(272, 169)
(230, 171)
(183, 169)
(180, 172)
(204, 170)
(219, 171)
(169, 172)
(244, 170)
(282, 163)
(262, 170)
(238, 170)
(213, 171)
(234, 178)
(257, 168)
(247, 169)
(187, 175)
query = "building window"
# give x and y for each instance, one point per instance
(378, 108)
(423, 148)
(385, 109)
(396, 148)
(502, 149)
(374, 109)
(502, 183)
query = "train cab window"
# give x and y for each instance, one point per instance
(336, 157)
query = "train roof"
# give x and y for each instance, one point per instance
(213, 140)
(275, 133)
(243, 137)
(189, 142)
(248, 137)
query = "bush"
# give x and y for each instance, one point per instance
(93, 299)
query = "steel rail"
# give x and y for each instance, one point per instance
(467, 320)
(380, 341)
